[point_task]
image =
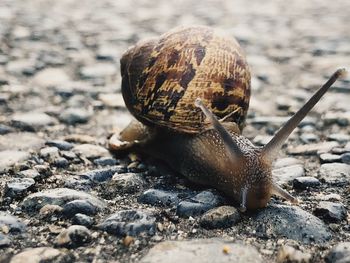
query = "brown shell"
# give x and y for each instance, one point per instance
(162, 77)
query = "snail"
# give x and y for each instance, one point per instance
(189, 91)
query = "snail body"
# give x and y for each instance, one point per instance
(177, 86)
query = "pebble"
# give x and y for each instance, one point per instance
(291, 222)
(49, 153)
(113, 100)
(129, 222)
(106, 161)
(159, 197)
(61, 162)
(50, 77)
(312, 149)
(42, 254)
(11, 224)
(32, 121)
(99, 70)
(345, 158)
(202, 250)
(50, 210)
(5, 241)
(340, 118)
(305, 182)
(73, 236)
(58, 196)
(308, 138)
(341, 138)
(4, 129)
(61, 145)
(102, 175)
(333, 173)
(23, 141)
(329, 158)
(291, 255)
(34, 174)
(9, 158)
(80, 206)
(83, 220)
(340, 253)
(198, 204)
(220, 217)
(17, 187)
(91, 151)
(74, 116)
(287, 161)
(127, 182)
(331, 212)
(287, 174)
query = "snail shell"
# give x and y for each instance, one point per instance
(161, 78)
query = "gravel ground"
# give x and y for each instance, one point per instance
(65, 198)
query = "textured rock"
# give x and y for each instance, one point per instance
(42, 254)
(73, 236)
(331, 212)
(129, 222)
(61, 145)
(58, 196)
(83, 220)
(329, 158)
(127, 183)
(91, 151)
(287, 174)
(9, 158)
(23, 141)
(292, 255)
(334, 173)
(11, 224)
(80, 206)
(32, 121)
(159, 197)
(220, 217)
(305, 182)
(202, 251)
(102, 175)
(293, 223)
(75, 116)
(18, 186)
(339, 253)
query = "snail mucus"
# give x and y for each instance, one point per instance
(189, 91)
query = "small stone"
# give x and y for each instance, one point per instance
(340, 118)
(74, 116)
(114, 100)
(23, 141)
(61, 145)
(288, 161)
(341, 138)
(287, 174)
(312, 149)
(331, 212)
(202, 250)
(127, 182)
(11, 223)
(128, 240)
(334, 172)
(83, 220)
(291, 255)
(61, 162)
(129, 222)
(329, 158)
(17, 187)
(220, 217)
(308, 138)
(32, 121)
(49, 153)
(80, 206)
(73, 236)
(291, 222)
(34, 174)
(42, 254)
(159, 197)
(58, 196)
(91, 151)
(198, 204)
(106, 161)
(345, 158)
(49, 210)
(340, 253)
(50, 77)
(99, 70)
(102, 175)
(9, 158)
(4, 241)
(4, 129)
(305, 182)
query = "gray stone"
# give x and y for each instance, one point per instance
(50, 77)
(42, 254)
(83, 220)
(277, 221)
(202, 251)
(127, 182)
(80, 206)
(198, 204)
(331, 212)
(58, 196)
(102, 175)
(75, 116)
(5, 241)
(220, 217)
(334, 173)
(159, 197)
(329, 158)
(287, 174)
(9, 158)
(11, 224)
(23, 141)
(73, 236)
(289, 254)
(309, 138)
(345, 158)
(305, 182)
(311, 149)
(17, 187)
(91, 151)
(32, 121)
(106, 161)
(62, 145)
(340, 253)
(129, 222)
(49, 153)
(341, 138)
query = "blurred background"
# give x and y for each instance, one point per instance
(61, 58)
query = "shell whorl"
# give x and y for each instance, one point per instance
(161, 78)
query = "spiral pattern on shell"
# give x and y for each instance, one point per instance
(162, 77)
